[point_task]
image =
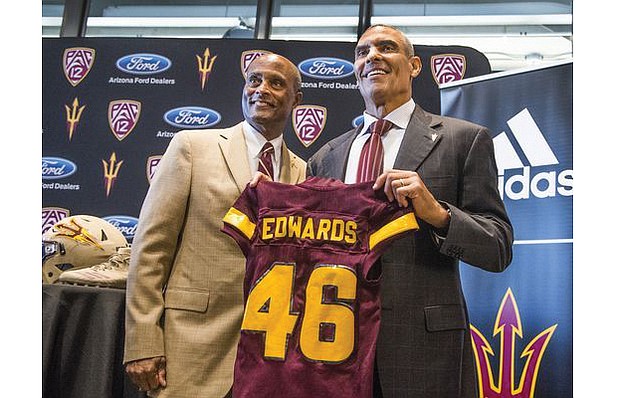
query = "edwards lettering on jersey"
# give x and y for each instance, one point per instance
(276, 228)
(309, 228)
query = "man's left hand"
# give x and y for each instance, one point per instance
(404, 185)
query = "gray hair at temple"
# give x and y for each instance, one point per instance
(409, 51)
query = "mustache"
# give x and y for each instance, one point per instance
(256, 97)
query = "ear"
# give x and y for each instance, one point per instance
(416, 66)
(298, 97)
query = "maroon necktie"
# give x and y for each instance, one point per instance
(265, 164)
(371, 158)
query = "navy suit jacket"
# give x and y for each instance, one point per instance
(424, 346)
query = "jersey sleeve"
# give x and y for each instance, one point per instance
(240, 220)
(388, 223)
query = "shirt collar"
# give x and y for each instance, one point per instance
(255, 141)
(399, 117)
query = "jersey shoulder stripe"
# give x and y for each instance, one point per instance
(240, 221)
(402, 224)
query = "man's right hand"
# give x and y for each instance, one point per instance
(147, 374)
(258, 177)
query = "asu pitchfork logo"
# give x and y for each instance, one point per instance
(205, 66)
(74, 113)
(72, 230)
(110, 172)
(508, 326)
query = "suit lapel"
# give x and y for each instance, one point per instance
(337, 161)
(420, 138)
(234, 149)
(290, 172)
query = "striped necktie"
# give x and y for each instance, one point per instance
(371, 159)
(265, 163)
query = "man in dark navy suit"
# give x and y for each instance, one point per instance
(445, 168)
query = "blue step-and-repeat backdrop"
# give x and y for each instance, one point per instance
(111, 106)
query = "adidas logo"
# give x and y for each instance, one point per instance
(522, 185)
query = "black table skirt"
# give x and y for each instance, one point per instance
(83, 332)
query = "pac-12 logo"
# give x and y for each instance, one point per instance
(308, 122)
(544, 184)
(448, 67)
(123, 116)
(76, 63)
(326, 68)
(192, 117)
(508, 383)
(53, 168)
(151, 166)
(248, 56)
(50, 216)
(143, 64)
(126, 224)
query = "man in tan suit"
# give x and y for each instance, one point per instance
(185, 284)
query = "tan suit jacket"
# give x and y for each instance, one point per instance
(185, 284)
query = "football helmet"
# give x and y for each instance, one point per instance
(78, 242)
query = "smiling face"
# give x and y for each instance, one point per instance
(271, 91)
(385, 67)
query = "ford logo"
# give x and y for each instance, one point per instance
(326, 68)
(126, 224)
(55, 168)
(143, 64)
(192, 117)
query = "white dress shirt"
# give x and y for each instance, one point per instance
(391, 140)
(255, 142)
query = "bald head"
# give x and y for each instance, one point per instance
(272, 89)
(287, 67)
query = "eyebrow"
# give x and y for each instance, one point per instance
(380, 43)
(388, 41)
(268, 75)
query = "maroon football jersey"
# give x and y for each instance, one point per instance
(312, 305)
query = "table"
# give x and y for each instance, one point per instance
(83, 340)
